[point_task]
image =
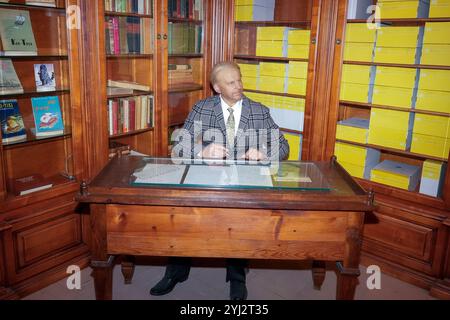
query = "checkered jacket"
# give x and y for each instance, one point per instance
(205, 124)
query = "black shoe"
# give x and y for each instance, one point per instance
(165, 285)
(238, 290)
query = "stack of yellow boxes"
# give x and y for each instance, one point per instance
(436, 44)
(431, 135)
(356, 84)
(250, 75)
(433, 175)
(298, 43)
(390, 128)
(398, 45)
(358, 161)
(439, 8)
(394, 86)
(403, 8)
(272, 77)
(434, 91)
(353, 129)
(297, 77)
(359, 42)
(254, 10)
(272, 41)
(396, 174)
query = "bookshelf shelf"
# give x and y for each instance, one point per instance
(31, 140)
(125, 14)
(185, 88)
(21, 6)
(129, 56)
(248, 57)
(394, 151)
(291, 131)
(413, 66)
(186, 55)
(369, 106)
(131, 133)
(185, 20)
(30, 94)
(275, 23)
(38, 57)
(134, 94)
(277, 94)
(408, 21)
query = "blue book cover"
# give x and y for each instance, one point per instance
(13, 128)
(48, 118)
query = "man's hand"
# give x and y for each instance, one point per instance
(254, 155)
(215, 151)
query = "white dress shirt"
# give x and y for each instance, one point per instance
(237, 110)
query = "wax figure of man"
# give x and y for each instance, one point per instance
(228, 125)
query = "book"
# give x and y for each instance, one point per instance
(44, 74)
(16, 33)
(13, 128)
(9, 82)
(29, 184)
(128, 84)
(41, 3)
(48, 119)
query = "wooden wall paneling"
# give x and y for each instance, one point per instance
(222, 44)
(441, 288)
(5, 291)
(207, 46)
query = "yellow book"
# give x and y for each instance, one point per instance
(354, 51)
(250, 83)
(249, 69)
(359, 32)
(272, 84)
(354, 92)
(395, 55)
(392, 96)
(395, 77)
(401, 9)
(298, 36)
(434, 80)
(439, 8)
(432, 100)
(430, 145)
(353, 169)
(296, 86)
(298, 69)
(353, 129)
(397, 120)
(357, 155)
(271, 33)
(243, 13)
(437, 33)
(356, 74)
(390, 138)
(271, 48)
(397, 174)
(398, 37)
(294, 141)
(298, 51)
(432, 125)
(273, 69)
(436, 54)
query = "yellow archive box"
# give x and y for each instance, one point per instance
(396, 174)
(432, 100)
(298, 51)
(439, 8)
(273, 69)
(249, 69)
(298, 69)
(402, 9)
(296, 86)
(354, 92)
(271, 48)
(430, 145)
(272, 33)
(298, 36)
(436, 54)
(397, 120)
(359, 32)
(392, 96)
(262, 3)
(395, 55)
(362, 172)
(437, 33)
(250, 83)
(355, 51)
(434, 80)
(357, 155)
(254, 13)
(352, 73)
(432, 125)
(433, 173)
(390, 138)
(272, 84)
(295, 145)
(398, 37)
(395, 77)
(353, 129)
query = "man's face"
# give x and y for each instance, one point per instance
(229, 85)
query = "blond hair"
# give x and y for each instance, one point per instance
(221, 66)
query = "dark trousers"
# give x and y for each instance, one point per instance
(179, 267)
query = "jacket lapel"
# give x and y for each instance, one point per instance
(219, 115)
(245, 115)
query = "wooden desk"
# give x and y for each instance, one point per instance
(213, 222)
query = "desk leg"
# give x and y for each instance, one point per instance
(318, 273)
(101, 263)
(128, 263)
(348, 272)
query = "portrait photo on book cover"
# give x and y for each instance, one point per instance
(44, 75)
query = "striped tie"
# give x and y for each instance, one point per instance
(230, 128)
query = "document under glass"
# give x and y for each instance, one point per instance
(234, 174)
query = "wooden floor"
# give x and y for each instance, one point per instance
(207, 282)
